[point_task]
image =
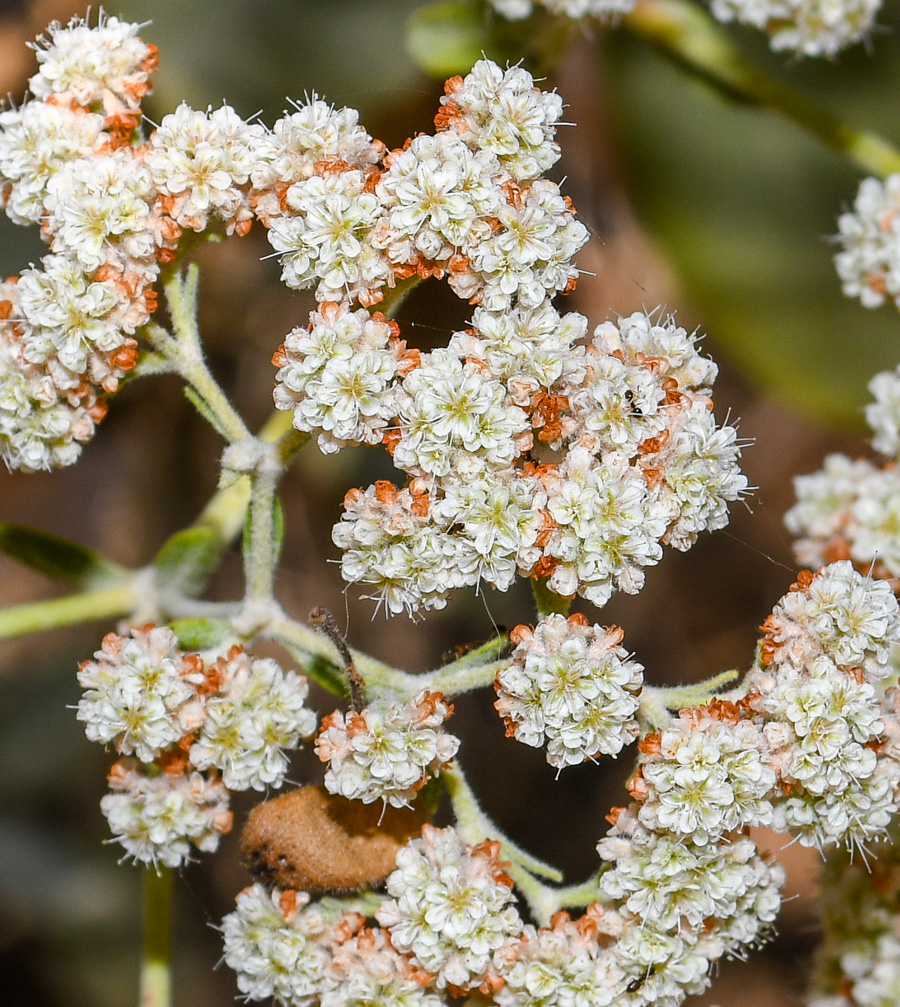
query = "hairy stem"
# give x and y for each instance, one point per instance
(86, 606)
(184, 350)
(156, 978)
(548, 602)
(261, 547)
(690, 37)
(475, 826)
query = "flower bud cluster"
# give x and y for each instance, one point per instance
(869, 261)
(530, 453)
(851, 509)
(858, 964)
(386, 753)
(190, 732)
(571, 687)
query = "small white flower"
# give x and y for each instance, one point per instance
(504, 113)
(98, 210)
(706, 775)
(883, 415)
(517, 9)
(454, 418)
(36, 141)
(107, 65)
(200, 161)
(337, 375)
(869, 264)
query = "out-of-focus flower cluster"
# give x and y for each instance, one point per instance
(851, 509)
(515, 10)
(858, 964)
(386, 752)
(188, 732)
(805, 27)
(869, 234)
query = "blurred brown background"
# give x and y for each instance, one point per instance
(712, 208)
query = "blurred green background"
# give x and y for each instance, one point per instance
(717, 210)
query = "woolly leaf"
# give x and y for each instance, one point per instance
(58, 558)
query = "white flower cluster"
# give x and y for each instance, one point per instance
(273, 942)
(858, 964)
(704, 776)
(467, 202)
(571, 687)
(639, 461)
(159, 813)
(67, 329)
(338, 375)
(180, 718)
(282, 947)
(515, 10)
(805, 27)
(386, 753)
(446, 922)
(851, 509)
(683, 905)
(869, 261)
(450, 907)
(112, 208)
(825, 653)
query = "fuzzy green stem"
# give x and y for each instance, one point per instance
(475, 826)
(305, 642)
(156, 980)
(548, 602)
(690, 37)
(71, 610)
(576, 896)
(698, 694)
(455, 679)
(261, 549)
(184, 350)
(227, 507)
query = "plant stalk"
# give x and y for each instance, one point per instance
(156, 965)
(694, 40)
